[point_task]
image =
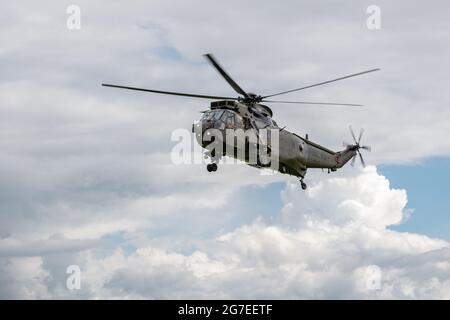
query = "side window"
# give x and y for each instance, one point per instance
(260, 124)
(239, 121)
(230, 120)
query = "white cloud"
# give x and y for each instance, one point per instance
(56, 244)
(358, 199)
(326, 255)
(23, 278)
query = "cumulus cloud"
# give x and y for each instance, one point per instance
(23, 278)
(348, 253)
(357, 199)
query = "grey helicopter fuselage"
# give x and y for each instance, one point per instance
(295, 153)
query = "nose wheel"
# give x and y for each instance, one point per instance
(211, 167)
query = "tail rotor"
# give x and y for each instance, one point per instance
(357, 147)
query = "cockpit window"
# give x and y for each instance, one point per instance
(207, 115)
(231, 120)
(218, 114)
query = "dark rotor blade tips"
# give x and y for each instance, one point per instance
(353, 134)
(362, 159)
(361, 132)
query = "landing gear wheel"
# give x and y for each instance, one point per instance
(304, 186)
(211, 167)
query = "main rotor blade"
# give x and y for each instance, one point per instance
(321, 83)
(232, 83)
(169, 92)
(317, 103)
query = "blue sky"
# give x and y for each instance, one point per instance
(428, 188)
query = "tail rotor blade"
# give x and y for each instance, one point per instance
(361, 132)
(353, 134)
(362, 159)
(367, 148)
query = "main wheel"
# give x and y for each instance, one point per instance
(213, 167)
(209, 167)
(304, 186)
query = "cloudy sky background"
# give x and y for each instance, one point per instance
(86, 176)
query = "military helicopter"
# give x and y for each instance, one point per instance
(249, 112)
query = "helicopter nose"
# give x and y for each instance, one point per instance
(200, 126)
(197, 127)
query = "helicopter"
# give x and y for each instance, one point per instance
(249, 113)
